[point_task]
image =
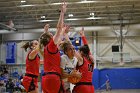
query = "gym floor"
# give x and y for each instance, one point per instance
(119, 91)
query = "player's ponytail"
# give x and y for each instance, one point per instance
(27, 45)
(45, 38)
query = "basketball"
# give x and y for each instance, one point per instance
(75, 77)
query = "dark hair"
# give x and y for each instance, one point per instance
(45, 38)
(85, 49)
(64, 46)
(27, 45)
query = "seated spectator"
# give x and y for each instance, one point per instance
(9, 86)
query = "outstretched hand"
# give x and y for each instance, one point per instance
(82, 32)
(64, 5)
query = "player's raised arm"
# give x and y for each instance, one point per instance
(60, 24)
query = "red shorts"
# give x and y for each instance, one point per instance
(83, 89)
(51, 83)
(27, 82)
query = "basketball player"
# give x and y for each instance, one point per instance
(32, 67)
(85, 67)
(68, 63)
(51, 81)
(68, 60)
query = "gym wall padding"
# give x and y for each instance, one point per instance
(120, 78)
(95, 79)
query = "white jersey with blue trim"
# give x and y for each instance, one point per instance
(68, 64)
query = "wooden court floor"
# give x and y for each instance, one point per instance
(119, 91)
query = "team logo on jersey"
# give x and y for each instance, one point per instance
(68, 69)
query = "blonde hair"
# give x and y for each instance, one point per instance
(65, 45)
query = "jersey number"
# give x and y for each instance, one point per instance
(90, 67)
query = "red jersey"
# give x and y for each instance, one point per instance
(32, 66)
(86, 69)
(51, 58)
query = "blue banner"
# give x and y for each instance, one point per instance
(10, 52)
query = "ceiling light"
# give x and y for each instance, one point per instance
(43, 17)
(45, 20)
(72, 19)
(70, 15)
(55, 3)
(91, 14)
(22, 1)
(86, 1)
(25, 5)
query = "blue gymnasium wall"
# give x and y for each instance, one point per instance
(120, 78)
